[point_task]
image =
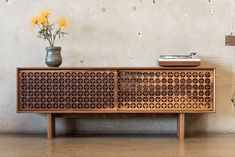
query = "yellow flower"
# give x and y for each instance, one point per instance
(43, 20)
(62, 23)
(45, 13)
(35, 20)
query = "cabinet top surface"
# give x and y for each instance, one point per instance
(113, 68)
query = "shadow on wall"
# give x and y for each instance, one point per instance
(117, 125)
(71, 126)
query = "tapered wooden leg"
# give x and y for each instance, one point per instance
(50, 126)
(180, 125)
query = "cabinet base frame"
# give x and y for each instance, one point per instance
(50, 126)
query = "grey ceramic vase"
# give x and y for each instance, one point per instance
(53, 56)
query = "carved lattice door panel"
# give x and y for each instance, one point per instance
(115, 90)
(170, 90)
(66, 90)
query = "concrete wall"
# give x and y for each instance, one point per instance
(119, 33)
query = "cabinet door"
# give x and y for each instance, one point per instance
(73, 90)
(166, 90)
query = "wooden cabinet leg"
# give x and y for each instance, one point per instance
(50, 126)
(181, 125)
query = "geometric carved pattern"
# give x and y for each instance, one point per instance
(57, 90)
(115, 90)
(166, 90)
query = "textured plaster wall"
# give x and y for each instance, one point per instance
(119, 33)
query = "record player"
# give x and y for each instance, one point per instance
(190, 60)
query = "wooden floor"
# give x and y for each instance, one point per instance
(214, 145)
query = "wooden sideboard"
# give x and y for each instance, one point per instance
(111, 90)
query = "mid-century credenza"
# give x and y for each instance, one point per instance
(115, 91)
